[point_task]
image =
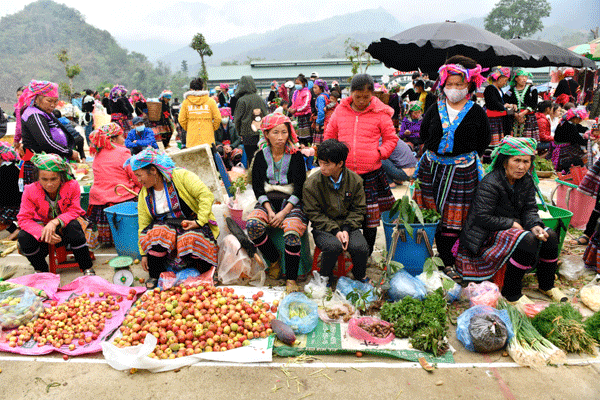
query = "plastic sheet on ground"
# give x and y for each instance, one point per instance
(45, 281)
(83, 284)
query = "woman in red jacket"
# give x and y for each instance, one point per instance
(546, 137)
(365, 124)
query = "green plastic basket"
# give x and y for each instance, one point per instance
(559, 222)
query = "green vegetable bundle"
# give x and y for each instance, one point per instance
(562, 325)
(592, 326)
(541, 164)
(423, 322)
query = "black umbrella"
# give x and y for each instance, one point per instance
(427, 47)
(553, 55)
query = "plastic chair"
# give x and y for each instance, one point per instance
(59, 258)
(344, 264)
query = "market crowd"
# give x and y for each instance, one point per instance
(365, 139)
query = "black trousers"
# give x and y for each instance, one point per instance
(525, 256)
(591, 225)
(72, 235)
(331, 248)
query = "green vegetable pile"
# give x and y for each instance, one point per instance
(562, 325)
(409, 213)
(592, 326)
(299, 310)
(541, 164)
(4, 287)
(423, 322)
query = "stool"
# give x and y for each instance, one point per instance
(58, 258)
(342, 261)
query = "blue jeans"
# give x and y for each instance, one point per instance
(393, 173)
(88, 130)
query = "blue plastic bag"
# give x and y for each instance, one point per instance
(404, 284)
(345, 285)
(186, 273)
(294, 303)
(463, 334)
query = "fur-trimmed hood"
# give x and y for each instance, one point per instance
(195, 93)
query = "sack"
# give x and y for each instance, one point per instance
(317, 287)
(299, 313)
(345, 285)
(167, 280)
(235, 267)
(484, 329)
(404, 284)
(484, 293)
(359, 333)
(18, 307)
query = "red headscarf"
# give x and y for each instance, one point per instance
(271, 121)
(100, 138)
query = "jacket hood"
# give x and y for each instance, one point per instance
(196, 97)
(245, 86)
(376, 106)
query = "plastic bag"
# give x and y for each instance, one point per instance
(531, 310)
(359, 333)
(590, 294)
(484, 293)
(571, 269)
(299, 313)
(235, 267)
(18, 307)
(440, 280)
(317, 287)
(167, 280)
(204, 279)
(345, 285)
(404, 284)
(221, 211)
(336, 310)
(484, 339)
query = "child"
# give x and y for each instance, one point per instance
(334, 202)
(283, 108)
(140, 137)
(334, 96)
(411, 125)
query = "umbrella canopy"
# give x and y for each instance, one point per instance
(428, 46)
(590, 50)
(554, 55)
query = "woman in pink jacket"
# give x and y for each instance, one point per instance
(301, 110)
(50, 208)
(108, 146)
(365, 124)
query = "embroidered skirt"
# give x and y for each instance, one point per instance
(449, 189)
(493, 254)
(565, 155)
(122, 121)
(303, 129)
(8, 214)
(496, 129)
(591, 256)
(590, 184)
(95, 215)
(528, 129)
(378, 195)
(198, 243)
(294, 223)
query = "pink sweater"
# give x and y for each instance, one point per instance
(301, 101)
(33, 215)
(361, 131)
(109, 172)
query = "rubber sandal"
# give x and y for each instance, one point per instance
(582, 240)
(555, 294)
(89, 272)
(274, 270)
(452, 274)
(291, 286)
(367, 280)
(151, 283)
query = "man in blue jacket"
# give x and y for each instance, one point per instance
(140, 137)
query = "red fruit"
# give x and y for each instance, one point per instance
(132, 291)
(358, 354)
(129, 297)
(260, 293)
(255, 297)
(274, 309)
(65, 357)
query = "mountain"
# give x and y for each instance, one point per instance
(31, 38)
(326, 38)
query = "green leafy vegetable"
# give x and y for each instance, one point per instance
(592, 326)
(562, 325)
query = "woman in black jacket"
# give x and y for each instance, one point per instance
(524, 99)
(120, 109)
(495, 106)
(503, 227)
(568, 141)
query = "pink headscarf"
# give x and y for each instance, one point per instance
(225, 112)
(224, 86)
(34, 89)
(271, 121)
(569, 72)
(471, 75)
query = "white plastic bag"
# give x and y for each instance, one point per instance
(317, 287)
(235, 267)
(221, 211)
(337, 305)
(571, 269)
(590, 294)
(440, 280)
(246, 201)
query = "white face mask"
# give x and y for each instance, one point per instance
(224, 120)
(456, 95)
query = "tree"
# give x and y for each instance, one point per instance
(184, 66)
(71, 70)
(356, 53)
(512, 18)
(199, 44)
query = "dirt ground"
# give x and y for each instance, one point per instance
(473, 376)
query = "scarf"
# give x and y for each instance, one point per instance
(167, 94)
(100, 138)
(449, 127)
(573, 113)
(116, 92)
(149, 156)
(498, 72)
(470, 75)
(520, 72)
(515, 146)
(7, 153)
(271, 121)
(53, 163)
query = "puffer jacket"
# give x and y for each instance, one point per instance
(301, 101)
(544, 127)
(361, 132)
(200, 117)
(496, 206)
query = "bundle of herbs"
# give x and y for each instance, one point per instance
(423, 322)
(528, 347)
(410, 213)
(562, 325)
(592, 326)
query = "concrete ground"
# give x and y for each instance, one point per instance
(473, 376)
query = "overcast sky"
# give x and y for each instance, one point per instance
(221, 20)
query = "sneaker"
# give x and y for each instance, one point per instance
(555, 294)
(521, 302)
(89, 272)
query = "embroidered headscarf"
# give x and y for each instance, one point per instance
(470, 75)
(569, 72)
(271, 121)
(53, 163)
(7, 153)
(415, 106)
(515, 146)
(225, 112)
(34, 89)
(100, 138)
(167, 94)
(497, 72)
(519, 72)
(161, 161)
(137, 96)
(575, 113)
(322, 84)
(116, 92)
(224, 87)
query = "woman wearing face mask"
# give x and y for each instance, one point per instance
(301, 109)
(524, 99)
(107, 145)
(140, 137)
(455, 132)
(229, 144)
